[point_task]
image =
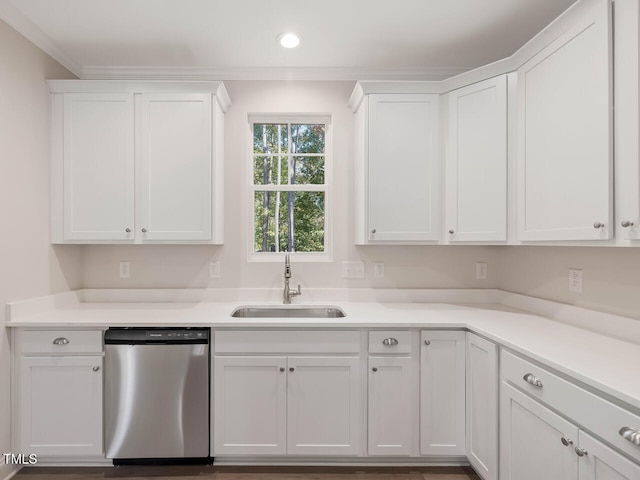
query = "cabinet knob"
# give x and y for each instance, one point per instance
(374, 369)
(532, 379)
(626, 223)
(631, 435)
(61, 341)
(581, 452)
(292, 369)
(96, 368)
(427, 342)
(451, 232)
(128, 230)
(282, 369)
(566, 441)
(598, 225)
(389, 342)
(144, 230)
(373, 232)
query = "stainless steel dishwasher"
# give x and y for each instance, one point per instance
(157, 395)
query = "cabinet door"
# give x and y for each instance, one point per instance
(98, 166)
(531, 436)
(626, 33)
(602, 463)
(482, 406)
(249, 405)
(442, 397)
(391, 390)
(476, 163)
(175, 175)
(323, 406)
(403, 168)
(61, 406)
(565, 134)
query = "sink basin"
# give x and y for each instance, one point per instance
(294, 311)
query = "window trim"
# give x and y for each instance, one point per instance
(327, 188)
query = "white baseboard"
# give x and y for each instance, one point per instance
(8, 471)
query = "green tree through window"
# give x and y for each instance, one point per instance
(289, 185)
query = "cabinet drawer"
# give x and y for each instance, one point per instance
(594, 413)
(286, 341)
(61, 341)
(390, 341)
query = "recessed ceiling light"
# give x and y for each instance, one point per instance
(288, 40)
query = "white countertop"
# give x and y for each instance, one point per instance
(601, 362)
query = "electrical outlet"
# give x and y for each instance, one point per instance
(378, 270)
(352, 270)
(214, 269)
(125, 269)
(482, 271)
(575, 280)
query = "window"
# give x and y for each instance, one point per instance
(289, 187)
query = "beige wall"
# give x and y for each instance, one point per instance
(187, 266)
(610, 276)
(29, 266)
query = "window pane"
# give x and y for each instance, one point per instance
(289, 221)
(307, 170)
(267, 137)
(265, 170)
(307, 138)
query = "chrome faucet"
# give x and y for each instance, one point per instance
(286, 296)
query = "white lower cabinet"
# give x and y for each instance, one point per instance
(532, 440)
(442, 393)
(59, 395)
(286, 405)
(390, 419)
(602, 463)
(536, 442)
(482, 406)
(249, 398)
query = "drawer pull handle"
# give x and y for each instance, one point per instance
(282, 369)
(427, 342)
(389, 342)
(61, 341)
(581, 452)
(374, 369)
(566, 441)
(532, 379)
(630, 434)
(96, 368)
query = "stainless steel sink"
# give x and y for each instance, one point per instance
(294, 311)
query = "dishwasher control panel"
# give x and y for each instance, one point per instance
(142, 336)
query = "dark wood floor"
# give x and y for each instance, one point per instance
(247, 473)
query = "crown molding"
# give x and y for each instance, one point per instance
(326, 74)
(19, 22)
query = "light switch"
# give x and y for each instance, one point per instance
(352, 270)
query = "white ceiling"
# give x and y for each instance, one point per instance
(237, 38)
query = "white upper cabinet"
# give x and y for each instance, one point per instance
(565, 155)
(476, 163)
(175, 167)
(398, 168)
(137, 162)
(97, 175)
(627, 121)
